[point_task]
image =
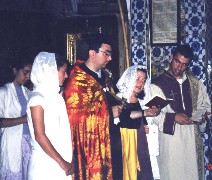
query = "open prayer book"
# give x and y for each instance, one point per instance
(158, 101)
(197, 115)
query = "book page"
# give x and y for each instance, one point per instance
(197, 115)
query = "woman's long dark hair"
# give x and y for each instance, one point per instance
(7, 74)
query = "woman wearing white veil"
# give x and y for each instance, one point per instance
(48, 121)
(133, 86)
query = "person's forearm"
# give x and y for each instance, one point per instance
(136, 114)
(48, 148)
(148, 112)
(9, 122)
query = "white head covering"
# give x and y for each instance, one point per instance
(44, 74)
(127, 82)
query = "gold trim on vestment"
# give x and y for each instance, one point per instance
(199, 143)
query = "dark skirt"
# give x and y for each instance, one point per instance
(143, 156)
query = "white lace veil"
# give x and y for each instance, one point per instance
(44, 74)
(127, 81)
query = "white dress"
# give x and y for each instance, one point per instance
(57, 129)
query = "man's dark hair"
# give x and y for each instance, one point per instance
(184, 50)
(95, 41)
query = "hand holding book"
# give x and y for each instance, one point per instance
(199, 116)
(152, 111)
(158, 102)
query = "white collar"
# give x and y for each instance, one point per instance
(99, 72)
(180, 81)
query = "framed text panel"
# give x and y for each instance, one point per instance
(164, 22)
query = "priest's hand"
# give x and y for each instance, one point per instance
(117, 110)
(183, 119)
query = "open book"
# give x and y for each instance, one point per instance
(197, 115)
(158, 101)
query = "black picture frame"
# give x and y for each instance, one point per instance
(164, 21)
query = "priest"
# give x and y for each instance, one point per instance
(181, 147)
